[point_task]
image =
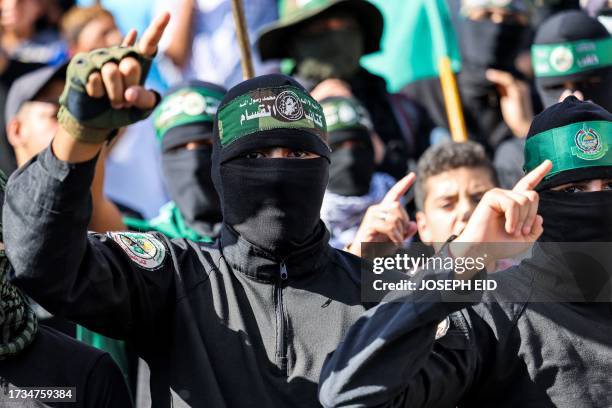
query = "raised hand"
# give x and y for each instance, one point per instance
(515, 101)
(104, 87)
(386, 221)
(504, 217)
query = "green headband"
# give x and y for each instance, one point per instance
(571, 57)
(343, 114)
(263, 109)
(575, 146)
(185, 106)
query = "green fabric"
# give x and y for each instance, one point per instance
(169, 222)
(95, 128)
(270, 108)
(18, 323)
(341, 114)
(115, 348)
(417, 33)
(575, 146)
(571, 57)
(185, 106)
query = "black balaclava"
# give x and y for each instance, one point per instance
(329, 54)
(186, 114)
(574, 135)
(351, 168)
(485, 44)
(563, 51)
(576, 245)
(272, 203)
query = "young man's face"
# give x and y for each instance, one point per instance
(101, 32)
(450, 199)
(36, 123)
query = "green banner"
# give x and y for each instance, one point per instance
(579, 145)
(571, 57)
(186, 105)
(285, 107)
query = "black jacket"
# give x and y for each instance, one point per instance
(56, 360)
(519, 346)
(221, 323)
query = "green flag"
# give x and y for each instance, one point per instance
(417, 33)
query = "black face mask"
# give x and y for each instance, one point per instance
(274, 203)
(485, 44)
(584, 222)
(598, 92)
(332, 54)
(351, 169)
(576, 217)
(188, 180)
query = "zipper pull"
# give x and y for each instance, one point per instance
(283, 271)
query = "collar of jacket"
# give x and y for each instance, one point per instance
(256, 263)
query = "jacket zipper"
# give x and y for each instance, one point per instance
(281, 336)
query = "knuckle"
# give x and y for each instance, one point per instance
(110, 70)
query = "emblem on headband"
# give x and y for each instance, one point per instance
(288, 105)
(588, 145)
(562, 58)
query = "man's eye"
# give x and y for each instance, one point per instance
(476, 198)
(447, 205)
(573, 189)
(298, 154)
(255, 155)
(607, 186)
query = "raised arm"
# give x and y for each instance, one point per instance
(117, 284)
(391, 357)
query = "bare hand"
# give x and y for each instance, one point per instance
(515, 101)
(387, 221)
(504, 217)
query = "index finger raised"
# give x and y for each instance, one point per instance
(399, 189)
(534, 177)
(149, 40)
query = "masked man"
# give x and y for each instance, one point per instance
(257, 310)
(544, 338)
(495, 97)
(326, 39)
(184, 125)
(352, 208)
(571, 54)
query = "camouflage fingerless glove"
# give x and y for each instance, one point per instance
(93, 120)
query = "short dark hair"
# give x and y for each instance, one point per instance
(447, 156)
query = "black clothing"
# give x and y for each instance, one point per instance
(56, 360)
(496, 353)
(480, 101)
(222, 324)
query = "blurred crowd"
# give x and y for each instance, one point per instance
(516, 58)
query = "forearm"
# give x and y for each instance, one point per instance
(47, 211)
(388, 355)
(180, 43)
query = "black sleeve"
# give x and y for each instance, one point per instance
(105, 386)
(92, 279)
(414, 351)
